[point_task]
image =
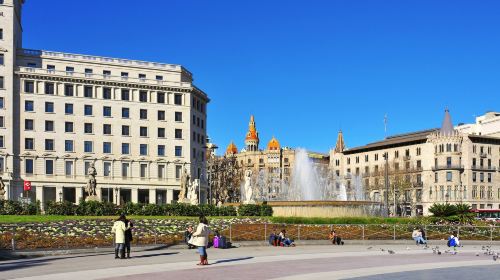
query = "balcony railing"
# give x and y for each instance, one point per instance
(483, 168)
(483, 155)
(406, 157)
(448, 167)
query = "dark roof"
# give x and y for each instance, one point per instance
(394, 141)
(484, 139)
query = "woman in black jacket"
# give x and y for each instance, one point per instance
(128, 236)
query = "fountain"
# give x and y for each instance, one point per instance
(311, 192)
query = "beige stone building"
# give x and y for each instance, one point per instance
(424, 167)
(141, 123)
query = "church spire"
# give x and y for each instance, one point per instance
(340, 146)
(447, 126)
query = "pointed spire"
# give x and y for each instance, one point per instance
(340, 146)
(447, 126)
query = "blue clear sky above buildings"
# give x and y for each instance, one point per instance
(303, 68)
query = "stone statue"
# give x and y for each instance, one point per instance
(248, 186)
(90, 189)
(185, 182)
(2, 189)
(193, 192)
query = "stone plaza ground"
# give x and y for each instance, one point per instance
(361, 261)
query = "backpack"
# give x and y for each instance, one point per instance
(222, 242)
(451, 242)
(216, 242)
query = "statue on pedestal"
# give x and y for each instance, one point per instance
(248, 187)
(2, 189)
(185, 183)
(193, 192)
(90, 188)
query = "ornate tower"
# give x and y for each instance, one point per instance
(231, 150)
(340, 146)
(252, 138)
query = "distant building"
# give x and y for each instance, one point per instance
(486, 125)
(425, 167)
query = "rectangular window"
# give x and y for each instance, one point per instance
(2, 121)
(125, 148)
(143, 149)
(144, 168)
(449, 176)
(70, 69)
(161, 115)
(49, 125)
(143, 96)
(160, 97)
(178, 99)
(106, 147)
(142, 76)
(1, 29)
(161, 132)
(49, 107)
(68, 90)
(481, 177)
(436, 178)
(489, 177)
(2, 82)
(49, 88)
(124, 75)
(107, 169)
(106, 93)
(2, 59)
(88, 146)
(161, 150)
(143, 131)
(125, 113)
(87, 110)
(68, 146)
(125, 167)
(448, 162)
(178, 171)
(28, 166)
(143, 114)
(68, 168)
(106, 111)
(161, 171)
(88, 72)
(49, 144)
(29, 86)
(178, 151)
(178, 133)
(68, 127)
(87, 91)
(106, 73)
(159, 78)
(29, 124)
(178, 116)
(2, 142)
(68, 109)
(474, 176)
(87, 128)
(125, 130)
(106, 129)
(29, 106)
(29, 144)
(49, 167)
(125, 95)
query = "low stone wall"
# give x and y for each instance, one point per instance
(325, 209)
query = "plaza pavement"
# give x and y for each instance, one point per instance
(264, 262)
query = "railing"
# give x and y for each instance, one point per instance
(101, 77)
(448, 167)
(81, 234)
(484, 168)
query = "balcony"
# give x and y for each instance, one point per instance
(448, 167)
(483, 168)
(483, 155)
(406, 157)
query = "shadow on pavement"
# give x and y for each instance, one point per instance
(154, 255)
(233, 260)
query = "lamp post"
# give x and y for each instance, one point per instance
(386, 179)
(116, 195)
(60, 196)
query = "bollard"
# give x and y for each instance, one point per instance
(265, 232)
(394, 232)
(298, 232)
(230, 234)
(13, 240)
(491, 233)
(363, 232)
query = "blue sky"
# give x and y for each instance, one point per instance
(303, 68)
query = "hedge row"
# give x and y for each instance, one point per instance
(9, 207)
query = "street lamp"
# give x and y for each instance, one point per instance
(60, 196)
(116, 195)
(386, 178)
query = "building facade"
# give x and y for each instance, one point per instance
(140, 123)
(486, 125)
(426, 167)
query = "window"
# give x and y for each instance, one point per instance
(419, 164)
(161, 150)
(70, 69)
(68, 168)
(125, 130)
(143, 96)
(2, 121)
(125, 148)
(448, 162)
(436, 178)
(68, 109)
(481, 177)
(143, 114)
(106, 93)
(143, 149)
(87, 91)
(143, 131)
(29, 124)
(125, 113)
(160, 97)
(106, 129)
(106, 73)
(2, 60)
(28, 166)
(88, 72)
(2, 82)
(29, 144)
(87, 128)
(29, 86)
(124, 75)
(178, 116)
(125, 169)
(178, 151)
(1, 102)
(161, 170)
(142, 76)
(68, 127)
(474, 176)
(178, 171)
(144, 168)
(51, 68)
(68, 90)
(125, 95)
(49, 125)
(106, 111)
(1, 29)
(489, 177)
(68, 146)
(49, 88)
(161, 115)
(449, 176)
(28, 105)
(107, 169)
(202, 123)
(2, 142)
(87, 110)
(178, 134)
(161, 132)
(88, 146)
(49, 107)
(178, 99)
(49, 167)
(106, 147)
(159, 78)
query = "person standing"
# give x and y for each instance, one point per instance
(128, 236)
(200, 239)
(119, 229)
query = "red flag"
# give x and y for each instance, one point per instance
(27, 185)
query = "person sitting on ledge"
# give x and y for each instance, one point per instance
(335, 238)
(285, 241)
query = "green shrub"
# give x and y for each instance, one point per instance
(443, 210)
(10, 207)
(60, 208)
(255, 210)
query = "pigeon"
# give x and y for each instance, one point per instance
(383, 250)
(495, 257)
(439, 253)
(369, 248)
(477, 254)
(391, 252)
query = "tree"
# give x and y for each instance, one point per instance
(224, 179)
